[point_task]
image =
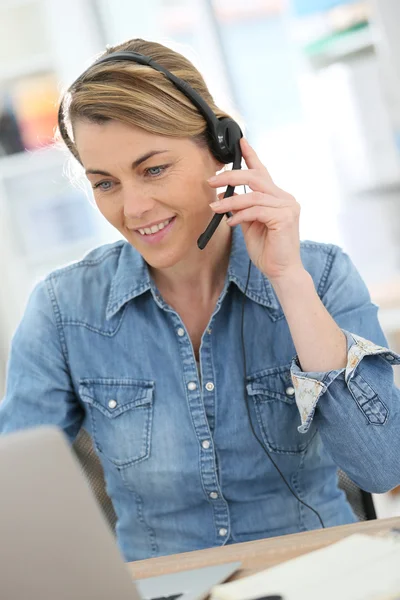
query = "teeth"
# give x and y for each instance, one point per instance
(155, 228)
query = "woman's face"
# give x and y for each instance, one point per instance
(141, 180)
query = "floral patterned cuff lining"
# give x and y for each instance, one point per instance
(309, 387)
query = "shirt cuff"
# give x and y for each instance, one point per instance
(310, 386)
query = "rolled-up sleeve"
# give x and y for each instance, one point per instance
(357, 408)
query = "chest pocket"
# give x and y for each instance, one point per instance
(277, 415)
(121, 413)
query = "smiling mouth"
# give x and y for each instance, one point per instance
(155, 228)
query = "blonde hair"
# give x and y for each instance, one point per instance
(137, 95)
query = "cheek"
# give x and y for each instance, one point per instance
(110, 210)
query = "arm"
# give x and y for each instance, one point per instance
(39, 389)
(320, 343)
(349, 390)
(351, 394)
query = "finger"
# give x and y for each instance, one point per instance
(241, 201)
(256, 180)
(251, 158)
(222, 194)
(268, 215)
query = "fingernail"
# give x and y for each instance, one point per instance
(212, 179)
(215, 204)
(229, 220)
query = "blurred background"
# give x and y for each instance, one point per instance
(315, 84)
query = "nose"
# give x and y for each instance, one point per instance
(137, 203)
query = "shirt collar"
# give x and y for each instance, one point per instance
(132, 277)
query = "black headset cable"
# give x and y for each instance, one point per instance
(248, 409)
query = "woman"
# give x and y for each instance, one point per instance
(248, 445)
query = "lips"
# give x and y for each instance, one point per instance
(154, 228)
(157, 236)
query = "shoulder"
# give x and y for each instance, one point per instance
(325, 262)
(101, 259)
(84, 285)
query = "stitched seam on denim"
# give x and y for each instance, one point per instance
(271, 371)
(215, 390)
(122, 382)
(115, 413)
(59, 327)
(328, 268)
(217, 541)
(269, 445)
(150, 530)
(70, 323)
(145, 437)
(118, 304)
(85, 262)
(378, 400)
(94, 429)
(218, 482)
(326, 248)
(251, 294)
(297, 488)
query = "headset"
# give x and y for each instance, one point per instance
(224, 142)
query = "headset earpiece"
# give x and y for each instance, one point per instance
(224, 140)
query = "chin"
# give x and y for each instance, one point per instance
(160, 257)
(163, 259)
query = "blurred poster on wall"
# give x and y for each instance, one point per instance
(35, 100)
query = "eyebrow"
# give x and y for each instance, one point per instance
(135, 163)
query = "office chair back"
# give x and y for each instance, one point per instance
(360, 501)
(83, 448)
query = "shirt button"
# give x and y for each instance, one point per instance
(209, 330)
(112, 403)
(209, 386)
(389, 357)
(181, 332)
(192, 386)
(290, 391)
(214, 495)
(222, 531)
(206, 444)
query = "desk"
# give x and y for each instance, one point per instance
(258, 555)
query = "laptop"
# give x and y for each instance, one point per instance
(55, 543)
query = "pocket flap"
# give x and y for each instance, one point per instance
(272, 384)
(112, 397)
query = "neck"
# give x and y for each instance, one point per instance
(201, 274)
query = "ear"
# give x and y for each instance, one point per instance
(219, 166)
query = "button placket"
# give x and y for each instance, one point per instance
(197, 395)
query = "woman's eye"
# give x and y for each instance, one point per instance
(156, 171)
(101, 185)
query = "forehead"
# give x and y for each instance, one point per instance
(99, 144)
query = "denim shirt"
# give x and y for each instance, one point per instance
(99, 348)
